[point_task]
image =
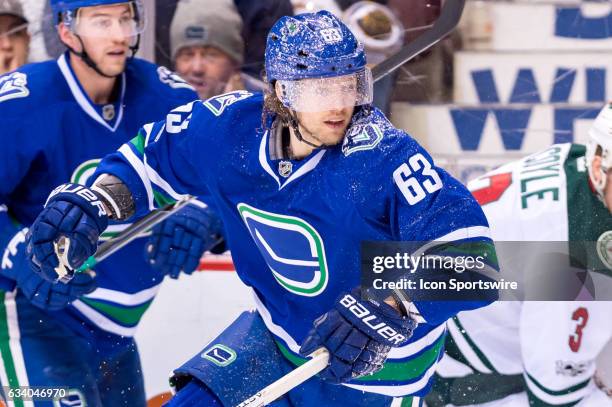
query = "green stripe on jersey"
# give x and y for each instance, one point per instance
(161, 199)
(392, 371)
(139, 142)
(563, 392)
(485, 361)
(5, 350)
(127, 316)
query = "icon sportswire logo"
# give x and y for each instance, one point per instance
(292, 248)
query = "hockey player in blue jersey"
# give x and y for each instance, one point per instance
(300, 177)
(58, 119)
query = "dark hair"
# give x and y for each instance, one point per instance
(273, 105)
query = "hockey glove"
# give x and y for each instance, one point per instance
(177, 244)
(40, 292)
(358, 335)
(72, 212)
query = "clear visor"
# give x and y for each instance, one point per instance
(122, 19)
(324, 94)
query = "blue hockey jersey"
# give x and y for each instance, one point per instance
(294, 227)
(52, 133)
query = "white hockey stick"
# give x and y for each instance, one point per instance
(320, 358)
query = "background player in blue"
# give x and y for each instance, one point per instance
(301, 176)
(58, 119)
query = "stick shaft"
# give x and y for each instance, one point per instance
(289, 381)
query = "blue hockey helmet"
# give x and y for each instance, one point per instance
(312, 45)
(59, 7)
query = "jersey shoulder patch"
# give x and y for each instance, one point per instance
(218, 104)
(13, 86)
(361, 137)
(367, 130)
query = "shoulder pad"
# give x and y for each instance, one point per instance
(13, 86)
(218, 104)
(172, 79)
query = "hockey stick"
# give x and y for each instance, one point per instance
(319, 361)
(112, 245)
(448, 20)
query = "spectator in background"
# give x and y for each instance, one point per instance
(257, 16)
(14, 37)
(428, 77)
(382, 35)
(207, 48)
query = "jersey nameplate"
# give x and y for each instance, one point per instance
(218, 104)
(13, 86)
(361, 137)
(172, 79)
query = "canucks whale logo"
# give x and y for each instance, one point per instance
(292, 248)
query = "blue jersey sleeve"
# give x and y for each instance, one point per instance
(163, 162)
(430, 207)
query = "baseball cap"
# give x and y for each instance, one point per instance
(207, 23)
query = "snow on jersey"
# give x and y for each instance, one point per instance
(294, 227)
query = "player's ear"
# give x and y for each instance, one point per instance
(68, 37)
(277, 90)
(596, 166)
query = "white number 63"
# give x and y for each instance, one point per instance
(409, 186)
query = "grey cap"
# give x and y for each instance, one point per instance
(12, 7)
(207, 23)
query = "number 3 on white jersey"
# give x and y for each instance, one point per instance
(409, 185)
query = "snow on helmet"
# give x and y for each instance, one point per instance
(318, 63)
(600, 137)
(312, 45)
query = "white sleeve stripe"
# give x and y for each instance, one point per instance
(558, 399)
(138, 166)
(199, 203)
(162, 183)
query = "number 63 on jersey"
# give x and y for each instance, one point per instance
(416, 188)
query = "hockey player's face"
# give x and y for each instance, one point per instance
(14, 43)
(207, 69)
(607, 189)
(106, 32)
(326, 127)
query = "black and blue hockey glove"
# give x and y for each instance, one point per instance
(41, 293)
(75, 214)
(177, 244)
(358, 335)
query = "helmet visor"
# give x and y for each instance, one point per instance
(324, 94)
(121, 19)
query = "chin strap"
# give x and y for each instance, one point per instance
(90, 63)
(294, 123)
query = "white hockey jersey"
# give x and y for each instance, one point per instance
(533, 353)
